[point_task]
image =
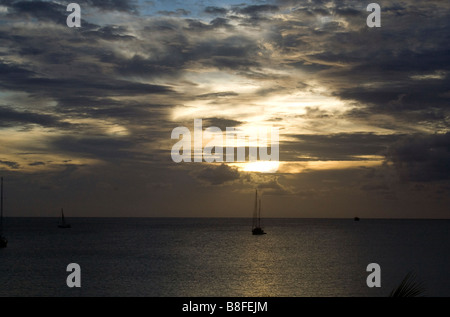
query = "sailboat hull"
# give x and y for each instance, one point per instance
(258, 231)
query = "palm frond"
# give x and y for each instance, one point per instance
(409, 287)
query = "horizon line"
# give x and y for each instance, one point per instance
(204, 217)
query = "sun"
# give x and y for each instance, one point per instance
(261, 167)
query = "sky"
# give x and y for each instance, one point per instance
(86, 114)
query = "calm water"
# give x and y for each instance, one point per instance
(220, 257)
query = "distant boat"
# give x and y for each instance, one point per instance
(63, 224)
(3, 240)
(257, 229)
(356, 219)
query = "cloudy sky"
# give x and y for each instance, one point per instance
(86, 114)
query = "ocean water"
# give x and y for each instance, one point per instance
(174, 257)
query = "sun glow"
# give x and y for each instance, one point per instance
(293, 167)
(261, 166)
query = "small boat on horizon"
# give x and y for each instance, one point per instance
(3, 240)
(257, 230)
(63, 224)
(356, 219)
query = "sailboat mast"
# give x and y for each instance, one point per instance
(1, 208)
(259, 215)
(255, 212)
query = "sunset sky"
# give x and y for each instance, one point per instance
(86, 114)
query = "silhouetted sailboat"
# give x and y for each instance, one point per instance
(3, 240)
(63, 224)
(257, 230)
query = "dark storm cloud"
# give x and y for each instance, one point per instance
(17, 78)
(37, 164)
(57, 13)
(118, 5)
(10, 117)
(109, 33)
(10, 164)
(9, 71)
(272, 186)
(110, 108)
(221, 23)
(366, 55)
(176, 50)
(255, 10)
(216, 10)
(217, 175)
(422, 158)
(250, 10)
(401, 69)
(217, 23)
(68, 73)
(235, 52)
(215, 95)
(336, 147)
(111, 5)
(221, 123)
(107, 148)
(140, 112)
(309, 67)
(346, 12)
(315, 113)
(42, 10)
(176, 13)
(167, 65)
(70, 104)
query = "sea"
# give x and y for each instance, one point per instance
(215, 257)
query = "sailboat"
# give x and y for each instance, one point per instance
(63, 224)
(3, 240)
(257, 230)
